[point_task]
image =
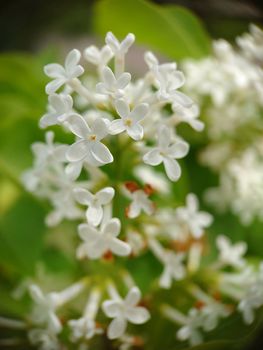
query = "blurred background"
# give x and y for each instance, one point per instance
(30, 25)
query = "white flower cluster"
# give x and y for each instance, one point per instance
(228, 86)
(114, 124)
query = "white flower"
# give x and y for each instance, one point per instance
(136, 242)
(63, 75)
(98, 242)
(89, 146)
(173, 268)
(167, 80)
(124, 310)
(231, 254)
(130, 120)
(48, 151)
(212, 312)
(119, 48)
(98, 57)
(191, 329)
(60, 108)
(64, 204)
(112, 86)
(156, 179)
(44, 338)
(140, 200)
(210, 308)
(84, 327)
(191, 324)
(167, 152)
(196, 221)
(253, 298)
(44, 311)
(189, 115)
(95, 202)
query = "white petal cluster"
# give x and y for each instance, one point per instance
(228, 87)
(98, 242)
(167, 152)
(191, 219)
(123, 311)
(63, 74)
(231, 254)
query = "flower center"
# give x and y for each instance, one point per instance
(128, 122)
(92, 137)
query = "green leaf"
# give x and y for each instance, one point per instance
(172, 30)
(21, 235)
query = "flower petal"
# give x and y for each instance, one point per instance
(99, 128)
(178, 150)
(153, 157)
(54, 85)
(112, 227)
(126, 43)
(101, 153)
(78, 126)
(134, 210)
(77, 151)
(116, 127)
(133, 297)
(164, 136)
(111, 308)
(54, 70)
(123, 80)
(105, 195)
(182, 99)
(122, 108)
(119, 247)
(72, 59)
(172, 169)
(73, 170)
(87, 233)
(98, 248)
(138, 315)
(117, 328)
(94, 215)
(139, 112)
(108, 77)
(83, 196)
(135, 132)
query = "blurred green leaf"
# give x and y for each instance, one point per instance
(21, 235)
(172, 30)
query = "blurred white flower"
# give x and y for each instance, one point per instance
(60, 109)
(124, 310)
(140, 200)
(98, 242)
(195, 221)
(44, 311)
(63, 75)
(112, 86)
(99, 57)
(119, 48)
(188, 115)
(167, 152)
(44, 339)
(231, 254)
(94, 202)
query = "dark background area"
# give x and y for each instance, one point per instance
(25, 23)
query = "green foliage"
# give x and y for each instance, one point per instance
(22, 101)
(171, 30)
